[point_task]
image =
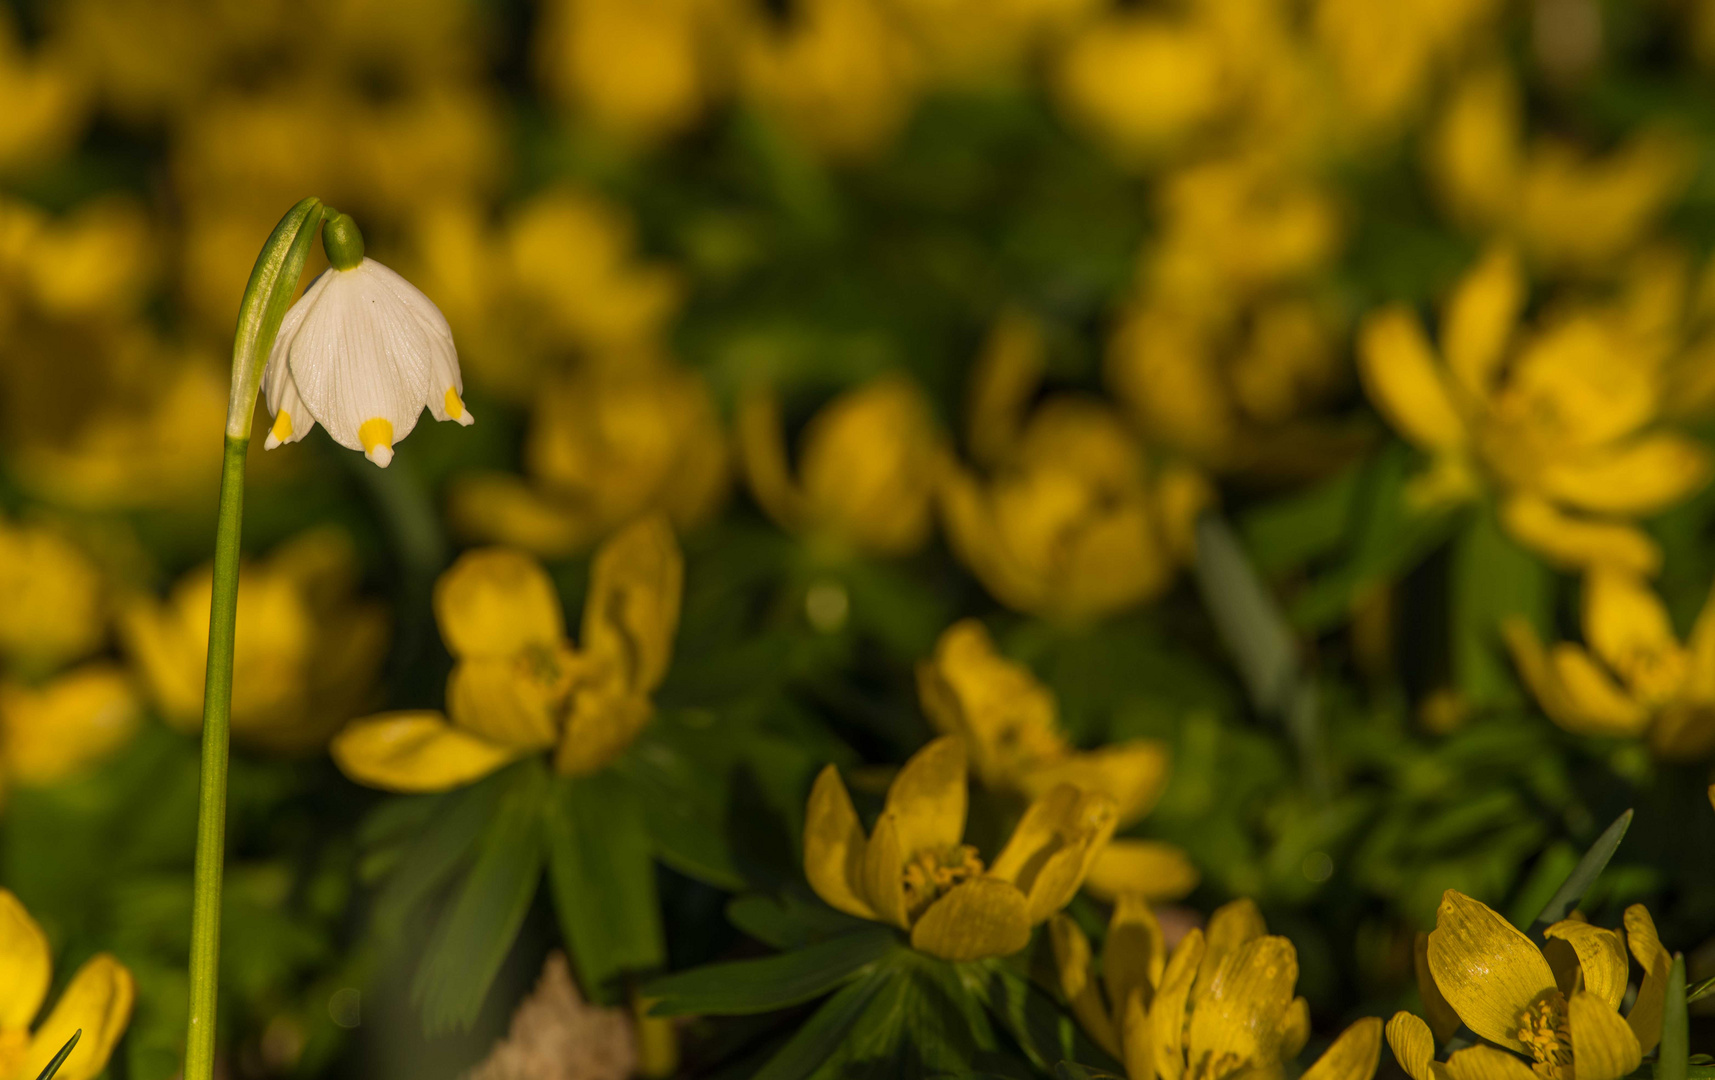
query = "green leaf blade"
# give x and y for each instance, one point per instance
(1589, 868)
(744, 987)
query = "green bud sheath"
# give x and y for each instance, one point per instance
(342, 241)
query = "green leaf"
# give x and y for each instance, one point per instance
(684, 805)
(775, 982)
(1700, 991)
(1067, 1070)
(1289, 532)
(1673, 1059)
(1493, 578)
(476, 932)
(602, 867)
(1566, 898)
(1247, 617)
(823, 1034)
(444, 843)
(65, 1052)
(789, 921)
(911, 1030)
(1034, 1020)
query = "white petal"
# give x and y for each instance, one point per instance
(362, 353)
(292, 419)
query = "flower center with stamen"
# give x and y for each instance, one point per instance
(931, 873)
(1543, 1029)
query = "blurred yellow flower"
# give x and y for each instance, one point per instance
(644, 69)
(838, 75)
(1010, 724)
(52, 604)
(307, 650)
(913, 871)
(1555, 1009)
(1221, 1006)
(94, 261)
(97, 1000)
(1072, 522)
(1554, 420)
(605, 445)
(52, 730)
(979, 42)
(560, 272)
(1566, 208)
(1142, 81)
(1633, 678)
(46, 96)
(867, 469)
(518, 686)
(1383, 56)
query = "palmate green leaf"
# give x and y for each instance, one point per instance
(775, 982)
(602, 868)
(913, 1029)
(822, 1035)
(1589, 868)
(1673, 1059)
(65, 1052)
(445, 841)
(1035, 1021)
(682, 789)
(791, 920)
(475, 933)
(1493, 578)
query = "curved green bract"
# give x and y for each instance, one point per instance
(273, 280)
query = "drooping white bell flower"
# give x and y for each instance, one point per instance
(361, 353)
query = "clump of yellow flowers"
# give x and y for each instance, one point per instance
(1556, 421)
(1221, 1005)
(1010, 724)
(914, 871)
(96, 1002)
(1550, 1013)
(1633, 678)
(518, 686)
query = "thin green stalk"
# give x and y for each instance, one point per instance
(272, 283)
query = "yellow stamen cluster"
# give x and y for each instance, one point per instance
(1545, 1030)
(930, 873)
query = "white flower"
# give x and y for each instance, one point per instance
(361, 353)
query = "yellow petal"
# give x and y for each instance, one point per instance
(1480, 318)
(1167, 1015)
(1007, 717)
(51, 731)
(1700, 649)
(497, 602)
(604, 719)
(869, 464)
(1053, 846)
(1240, 1012)
(1541, 675)
(1573, 543)
(883, 882)
(1153, 869)
(1001, 384)
(1230, 926)
(1413, 1045)
(25, 965)
(929, 797)
(1134, 953)
(1639, 478)
(1487, 1063)
(762, 452)
(1597, 704)
(967, 512)
(1601, 958)
(1405, 383)
(1136, 1049)
(1354, 1054)
(1603, 1046)
(1295, 1029)
(976, 919)
(834, 846)
(1651, 1004)
(1077, 982)
(415, 752)
(1488, 971)
(1132, 773)
(97, 1001)
(509, 700)
(1625, 622)
(1443, 1021)
(632, 612)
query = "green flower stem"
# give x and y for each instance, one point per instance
(272, 283)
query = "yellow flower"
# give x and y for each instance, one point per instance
(1556, 1009)
(1071, 522)
(605, 445)
(307, 652)
(914, 872)
(1640, 682)
(1009, 723)
(977, 42)
(1383, 56)
(50, 731)
(1221, 1006)
(638, 68)
(1554, 421)
(838, 75)
(518, 686)
(1566, 208)
(97, 1000)
(1141, 81)
(52, 604)
(46, 98)
(867, 472)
